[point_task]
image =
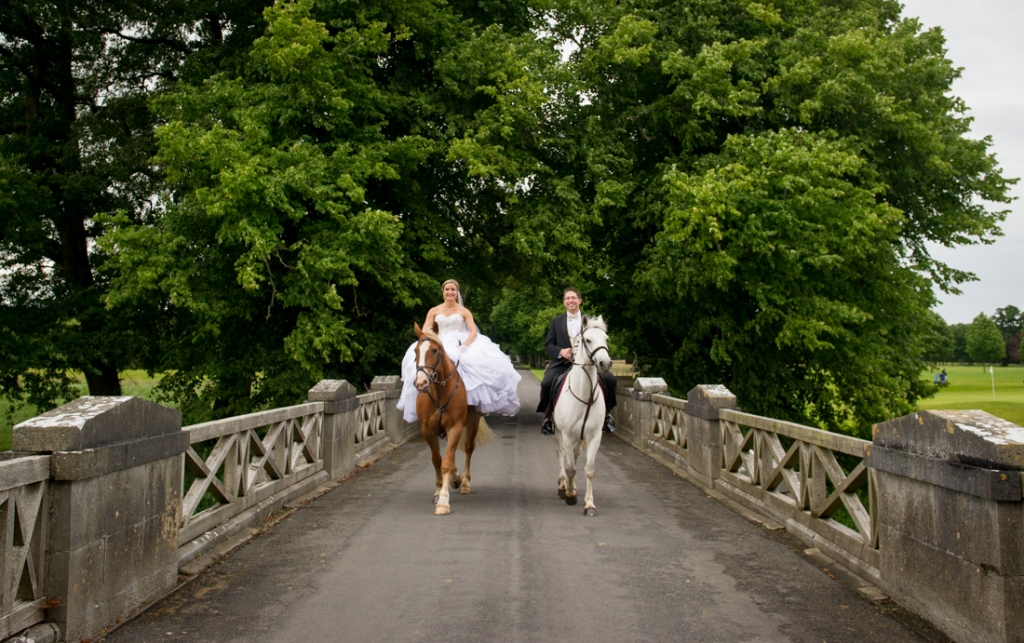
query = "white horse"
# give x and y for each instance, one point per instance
(580, 409)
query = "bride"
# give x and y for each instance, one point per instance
(488, 374)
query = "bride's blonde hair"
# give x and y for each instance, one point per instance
(458, 289)
(450, 281)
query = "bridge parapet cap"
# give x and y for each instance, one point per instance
(973, 438)
(650, 385)
(331, 391)
(95, 421)
(386, 383)
(712, 395)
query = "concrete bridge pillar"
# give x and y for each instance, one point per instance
(703, 431)
(644, 388)
(341, 409)
(394, 424)
(114, 507)
(951, 521)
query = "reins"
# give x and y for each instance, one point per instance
(431, 376)
(593, 385)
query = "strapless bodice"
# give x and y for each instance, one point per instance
(450, 324)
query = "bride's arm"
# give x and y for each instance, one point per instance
(471, 325)
(428, 323)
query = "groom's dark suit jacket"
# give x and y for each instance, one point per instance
(557, 339)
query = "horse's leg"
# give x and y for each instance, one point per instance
(593, 444)
(472, 426)
(430, 436)
(561, 454)
(571, 450)
(443, 507)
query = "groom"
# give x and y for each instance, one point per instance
(558, 345)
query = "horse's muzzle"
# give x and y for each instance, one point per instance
(604, 365)
(422, 383)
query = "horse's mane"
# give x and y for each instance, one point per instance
(598, 323)
(434, 337)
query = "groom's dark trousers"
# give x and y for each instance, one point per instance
(557, 339)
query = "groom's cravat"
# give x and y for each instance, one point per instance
(573, 324)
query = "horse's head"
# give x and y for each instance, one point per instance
(431, 362)
(591, 345)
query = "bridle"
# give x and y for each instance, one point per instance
(430, 372)
(593, 384)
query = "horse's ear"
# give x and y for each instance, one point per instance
(586, 320)
(434, 328)
(416, 327)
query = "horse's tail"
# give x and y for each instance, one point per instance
(484, 434)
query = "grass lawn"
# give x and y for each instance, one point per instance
(971, 388)
(136, 383)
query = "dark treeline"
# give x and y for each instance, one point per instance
(986, 340)
(249, 197)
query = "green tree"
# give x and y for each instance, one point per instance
(984, 341)
(939, 341)
(319, 193)
(75, 143)
(959, 334)
(1009, 321)
(768, 178)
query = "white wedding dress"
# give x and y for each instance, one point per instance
(487, 373)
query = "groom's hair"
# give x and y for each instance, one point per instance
(571, 289)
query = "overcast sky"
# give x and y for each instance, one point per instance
(984, 38)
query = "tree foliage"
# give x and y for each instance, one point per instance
(768, 177)
(1009, 320)
(984, 342)
(747, 189)
(75, 143)
(317, 195)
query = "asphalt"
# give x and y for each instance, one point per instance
(368, 561)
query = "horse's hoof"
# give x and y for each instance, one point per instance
(571, 500)
(436, 498)
(590, 512)
(442, 510)
(465, 490)
(561, 494)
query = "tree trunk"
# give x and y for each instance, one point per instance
(104, 381)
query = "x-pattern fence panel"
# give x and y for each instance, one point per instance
(815, 477)
(23, 527)
(669, 428)
(371, 419)
(234, 463)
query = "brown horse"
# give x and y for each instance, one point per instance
(442, 410)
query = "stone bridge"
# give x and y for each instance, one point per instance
(314, 523)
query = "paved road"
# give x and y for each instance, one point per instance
(369, 561)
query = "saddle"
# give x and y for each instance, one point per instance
(556, 388)
(559, 383)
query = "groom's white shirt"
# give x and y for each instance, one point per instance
(573, 324)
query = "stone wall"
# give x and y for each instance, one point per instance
(114, 520)
(942, 526)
